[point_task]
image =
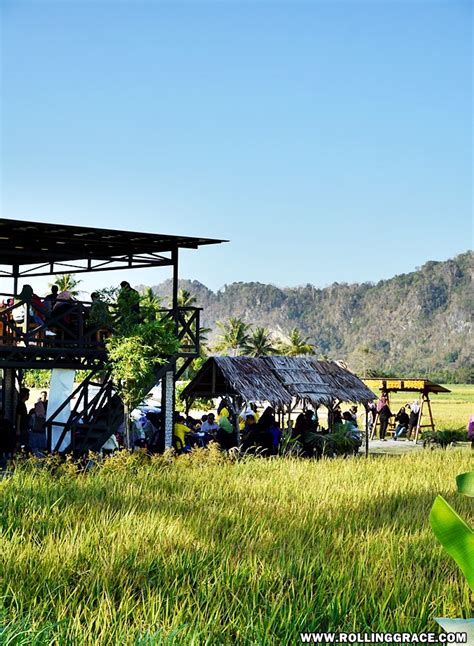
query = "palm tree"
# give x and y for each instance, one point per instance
(185, 298)
(67, 283)
(260, 343)
(296, 344)
(234, 335)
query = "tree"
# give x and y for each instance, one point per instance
(260, 343)
(139, 345)
(363, 362)
(67, 283)
(296, 344)
(185, 298)
(234, 335)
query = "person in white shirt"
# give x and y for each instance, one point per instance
(210, 425)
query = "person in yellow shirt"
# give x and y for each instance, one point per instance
(179, 433)
(251, 409)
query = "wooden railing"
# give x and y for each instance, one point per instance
(72, 327)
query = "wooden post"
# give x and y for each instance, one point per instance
(430, 411)
(366, 431)
(16, 271)
(374, 426)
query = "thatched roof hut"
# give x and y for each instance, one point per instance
(278, 380)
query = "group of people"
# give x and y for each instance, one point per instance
(260, 433)
(60, 312)
(256, 433)
(406, 421)
(28, 432)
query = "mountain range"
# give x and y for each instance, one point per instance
(414, 324)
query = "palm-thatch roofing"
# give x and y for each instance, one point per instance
(278, 380)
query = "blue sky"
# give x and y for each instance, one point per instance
(328, 141)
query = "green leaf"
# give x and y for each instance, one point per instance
(458, 626)
(455, 536)
(465, 482)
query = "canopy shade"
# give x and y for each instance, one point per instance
(405, 385)
(40, 243)
(278, 380)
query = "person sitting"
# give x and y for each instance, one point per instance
(62, 319)
(179, 433)
(276, 435)
(403, 420)
(413, 419)
(155, 438)
(251, 409)
(351, 428)
(311, 420)
(209, 425)
(353, 413)
(226, 435)
(50, 299)
(249, 432)
(305, 437)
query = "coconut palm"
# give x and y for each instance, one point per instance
(185, 298)
(234, 335)
(148, 298)
(260, 343)
(296, 344)
(67, 283)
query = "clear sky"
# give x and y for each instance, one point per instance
(329, 141)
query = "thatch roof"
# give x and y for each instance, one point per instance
(248, 377)
(278, 380)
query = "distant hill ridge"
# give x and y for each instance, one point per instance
(417, 323)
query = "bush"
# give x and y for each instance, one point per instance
(443, 438)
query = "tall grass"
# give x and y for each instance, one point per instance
(204, 550)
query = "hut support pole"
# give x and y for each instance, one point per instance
(366, 431)
(428, 403)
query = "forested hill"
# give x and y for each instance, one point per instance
(413, 324)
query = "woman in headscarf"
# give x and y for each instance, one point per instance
(413, 420)
(385, 414)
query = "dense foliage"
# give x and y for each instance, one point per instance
(413, 324)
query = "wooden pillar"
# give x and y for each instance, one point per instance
(430, 411)
(15, 273)
(366, 431)
(374, 426)
(9, 394)
(174, 258)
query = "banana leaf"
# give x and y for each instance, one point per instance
(465, 482)
(455, 536)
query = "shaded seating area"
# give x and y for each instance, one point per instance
(287, 384)
(422, 388)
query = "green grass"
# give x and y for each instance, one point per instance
(203, 550)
